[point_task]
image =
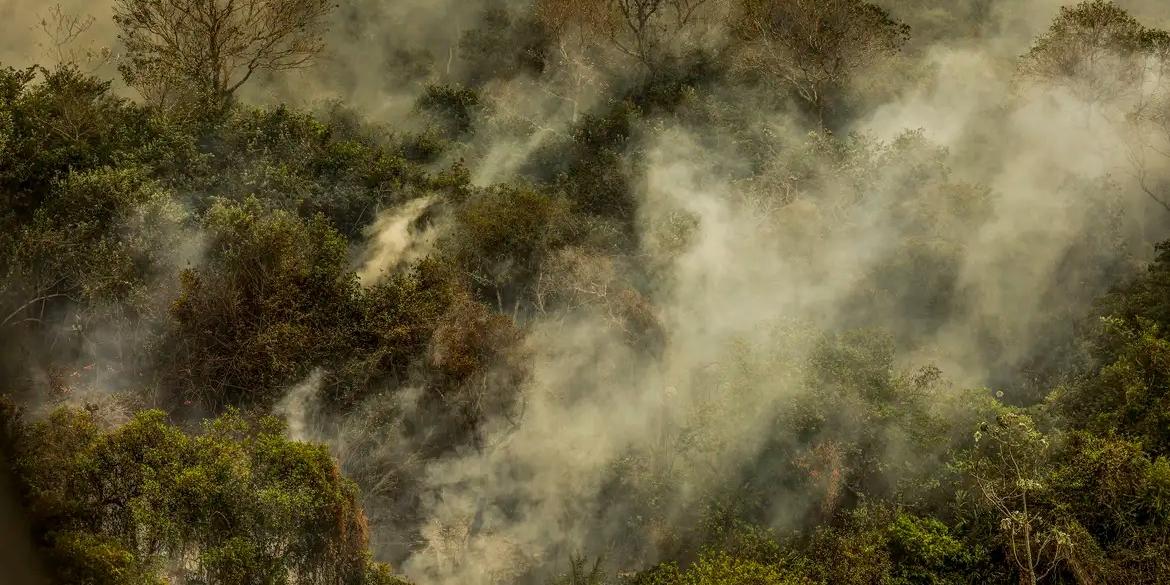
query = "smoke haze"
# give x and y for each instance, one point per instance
(1031, 199)
(970, 215)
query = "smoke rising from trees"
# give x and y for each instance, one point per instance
(709, 291)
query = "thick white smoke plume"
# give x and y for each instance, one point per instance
(1034, 179)
(393, 239)
(297, 407)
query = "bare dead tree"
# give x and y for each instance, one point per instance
(1148, 138)
(215, 46)
(63, 32)
(644, 30)
(643, 27)
(61, 29)
(1148, 150)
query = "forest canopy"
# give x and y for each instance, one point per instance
(604, 292)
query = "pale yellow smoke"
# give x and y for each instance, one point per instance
(392, 240)
(593, 402)
(297, 406)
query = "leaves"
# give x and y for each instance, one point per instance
(238, 503)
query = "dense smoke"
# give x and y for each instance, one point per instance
(1032, 203)
(395, 239)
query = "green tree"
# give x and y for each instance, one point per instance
(1130, 393)
(504, 234)
(274, 297)
(67, 122)
(1122, 388)
(330, 163)
(1120, 498)
(237, 503)
(1011, 469)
